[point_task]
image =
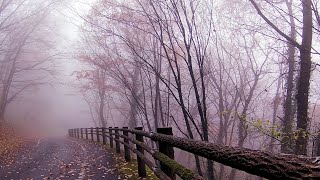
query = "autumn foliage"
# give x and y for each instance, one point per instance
(10, 142)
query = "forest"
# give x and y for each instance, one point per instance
(233, 73)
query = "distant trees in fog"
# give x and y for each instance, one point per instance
(26, 43)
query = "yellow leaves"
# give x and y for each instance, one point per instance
(295, 135)
(266, 127)
(299, 132)
(259, 123)
(275, 133)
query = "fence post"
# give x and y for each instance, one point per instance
(86, 133)
(78, 135)
(104, 135)
(91, 132)
(81, 133)
(111, 137)
(141, 165)
(117, 140)
(126, 149)
(167, 150)
(97, 132)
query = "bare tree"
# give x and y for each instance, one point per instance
(23, 34)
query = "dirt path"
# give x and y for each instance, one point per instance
(60, 158)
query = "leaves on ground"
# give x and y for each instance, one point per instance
(10, 143)
(129, 170)
(61, 158)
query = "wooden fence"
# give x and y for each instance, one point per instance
(255, 162)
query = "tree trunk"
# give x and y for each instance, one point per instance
(287, 139)
(317, 145)
(304, 79)
(102, 93)
(8, 80)
(133, 98)
(276, 103)
(242, 134)
(101, 113)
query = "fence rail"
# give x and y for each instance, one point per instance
(254, 162)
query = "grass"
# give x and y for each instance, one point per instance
(129, 170)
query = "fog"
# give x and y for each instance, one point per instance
(232, 73)
(57, 105)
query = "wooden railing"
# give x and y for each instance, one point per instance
(255, 162)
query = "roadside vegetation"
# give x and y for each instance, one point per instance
(129, 170)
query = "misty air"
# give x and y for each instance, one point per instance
(159, 89)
